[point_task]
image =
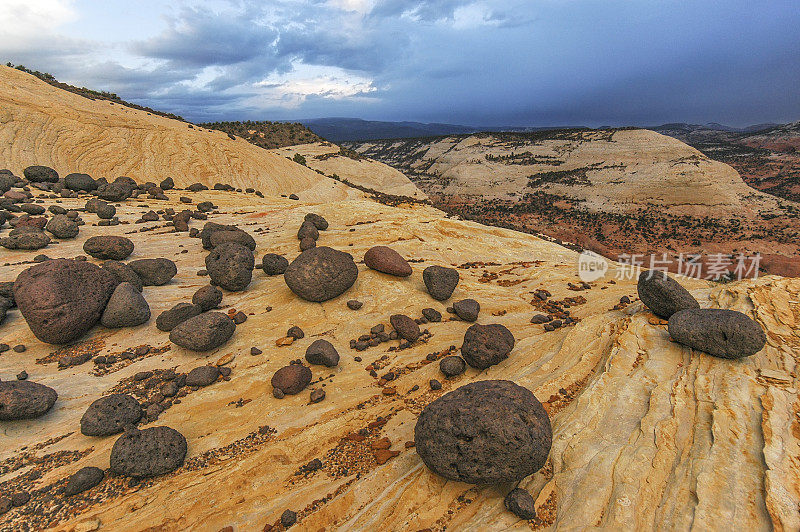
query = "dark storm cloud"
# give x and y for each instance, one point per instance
(482, 62)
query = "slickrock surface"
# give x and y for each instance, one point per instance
(330, 159)
(646, 433)
(43, 125)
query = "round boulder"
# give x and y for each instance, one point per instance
(467, 309)
(440, 281)
(307, 230)
(236, 236)
(40, 174)
(61, 299)
(110, 415)
(25, 399)
(452, 365)
(318, 221)
(485, 432)
(663, 295)
(62, 226)
(126, 308)
(274, 264)
(108, 247)
(323, 353)
(84, 479)
(148, 453)
(719, 332)
(122, 273)
(207, 297)
(171, 318)
(80, 182)
(386, 260)
(291, 379)
(154, 272)
(321, 273)
(486, 345)
(520, 503)
(25, 238)
(202, 376)
(230, 266)
(406, 327)
(204, 332)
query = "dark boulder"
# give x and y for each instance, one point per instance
(520, 503)
(202, 376)
(386, 260)
(322, 352)
(84, 479)
(236, 236)
(321, 273)
(110, 415)
(405, 327)
(123, 273)
(80, 182)
(126, 308)
(204, 332)
(148, 453)
(663, 295)
(440, 281)
(62, 226)
(108, 247)
(274, 264)
(154, 272)
(62, 299)
(307, 230)
(486, 345)
(719, 332)
(291, 379)
(207, 297)
(22, 399)
(318, 221)
(452, 365)
(485, 432)
(25, 238)
(40, 174)
(171, 318)
(467, 309)
(230, 266)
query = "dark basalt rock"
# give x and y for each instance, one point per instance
(202, 376)
(405, 327)
(123, 273)
(25, 238)
(307, 243)
(307, 230)
(110, 415)
(24, 399)
(40, 174)
(485, 432)
(230, 266)
(237, 236)
(452, 365)
(207, 297)
(440, 281)
(80, 182)
(62, 226)
(108, 247)
(274, 264)
(204, 332)
(212, 227)
(321, 273)
(486, 345)
(467, 309)
(148, 453)
(432, 315)
(169, 319)
(319, 222)
(386, 260)
(126, 308)
(121, 189)
(84, 479)
(291, 379)
(105, 211)
(520, 503)
(154, 272)
(719, 332)
(322, 352)
(62, 299)
(663, 295)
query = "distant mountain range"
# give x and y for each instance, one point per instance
(338, 129)
(356, 129)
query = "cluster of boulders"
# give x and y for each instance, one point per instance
(719, 332)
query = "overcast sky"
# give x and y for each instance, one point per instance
(480, 62)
